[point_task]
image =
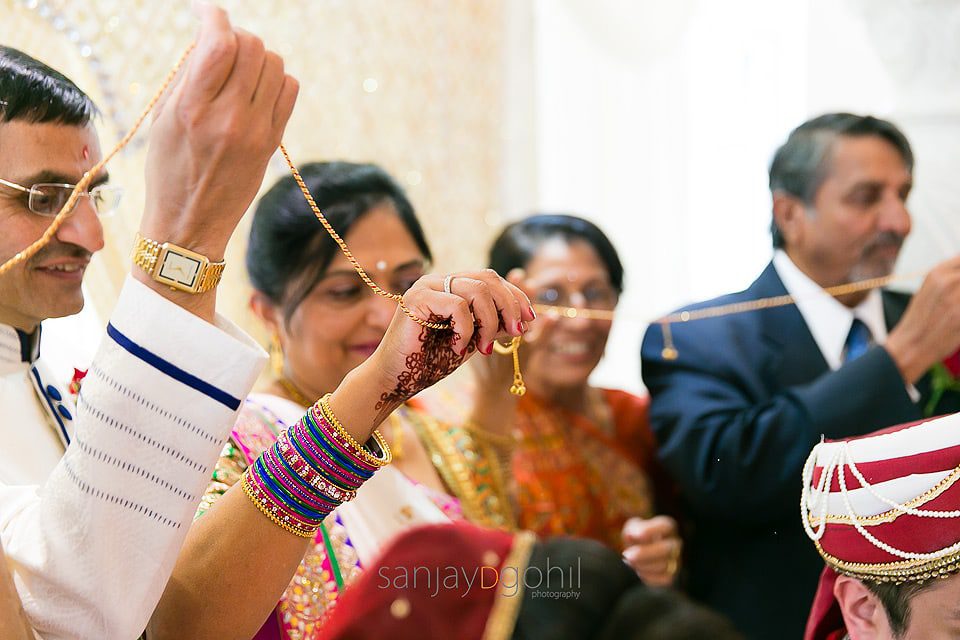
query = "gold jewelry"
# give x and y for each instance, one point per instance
(518, 388)
(396, 297)
(500, 440)
(673, 561)
(81, 187)
(396, 430)
(175, 266)
(214, 277)
(294, 392)
(276, 356)
(323, 404)
(264, 508)
(458, 461)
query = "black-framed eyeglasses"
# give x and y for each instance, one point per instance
(46, 199)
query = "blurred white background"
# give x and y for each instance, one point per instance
(657, 121)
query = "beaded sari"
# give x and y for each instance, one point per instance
(353, 532)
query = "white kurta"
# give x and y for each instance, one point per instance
(31, 440)
(92, 548)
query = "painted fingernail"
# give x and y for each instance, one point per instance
(532, 312)
(521, 327)
(488, 349)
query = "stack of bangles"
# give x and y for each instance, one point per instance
(314, 467)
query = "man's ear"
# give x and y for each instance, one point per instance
(789, 214)
(863, 613)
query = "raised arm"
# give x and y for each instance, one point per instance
(224, 584)
(93, 548)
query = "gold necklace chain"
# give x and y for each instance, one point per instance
(294, 392)
(396, 297)
(84, 182)
(81, 186)
(670, 352)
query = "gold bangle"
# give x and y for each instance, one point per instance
(362, 450)
(262, 507)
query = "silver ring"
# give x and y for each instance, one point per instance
(446, 283)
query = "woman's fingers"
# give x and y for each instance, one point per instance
(651, 554)
(482, 301)
(643, 530)
(655, 561)
(497, 307)
(435, 306)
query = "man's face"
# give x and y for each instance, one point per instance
(47, 285)
(934, 612)
(858, 220)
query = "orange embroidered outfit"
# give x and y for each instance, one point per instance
(576, 476)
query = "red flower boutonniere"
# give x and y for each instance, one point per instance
(945, 376)
(76, 381)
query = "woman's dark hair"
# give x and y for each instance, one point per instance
(288, 251)
(518, 243)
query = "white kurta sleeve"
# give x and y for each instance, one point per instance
(92, 549)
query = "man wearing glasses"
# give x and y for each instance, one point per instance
(91, 549)
(47, 145)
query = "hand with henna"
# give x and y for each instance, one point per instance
(480, 308)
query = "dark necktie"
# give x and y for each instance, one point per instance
(858, 340)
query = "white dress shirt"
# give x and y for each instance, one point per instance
(828, 320)
(92, 548)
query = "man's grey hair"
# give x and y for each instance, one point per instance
(802, 163)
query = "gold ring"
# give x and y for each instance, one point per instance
(674, 560)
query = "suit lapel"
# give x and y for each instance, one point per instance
(794, 357)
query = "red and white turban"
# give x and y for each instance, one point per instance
(884, 508)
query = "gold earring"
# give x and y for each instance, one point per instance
(276, 356)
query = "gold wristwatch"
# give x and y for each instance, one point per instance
(175, 266)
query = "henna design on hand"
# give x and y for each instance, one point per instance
(435, 360)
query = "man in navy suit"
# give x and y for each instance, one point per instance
(748, 395)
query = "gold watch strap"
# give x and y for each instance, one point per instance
(146, 254)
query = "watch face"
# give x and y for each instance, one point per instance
(179, 268)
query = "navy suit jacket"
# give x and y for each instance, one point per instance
(735, 416)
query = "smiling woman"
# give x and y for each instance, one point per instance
(325, 322)
(578, 460)
(581, 459)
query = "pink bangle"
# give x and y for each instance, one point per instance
(309, 475)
